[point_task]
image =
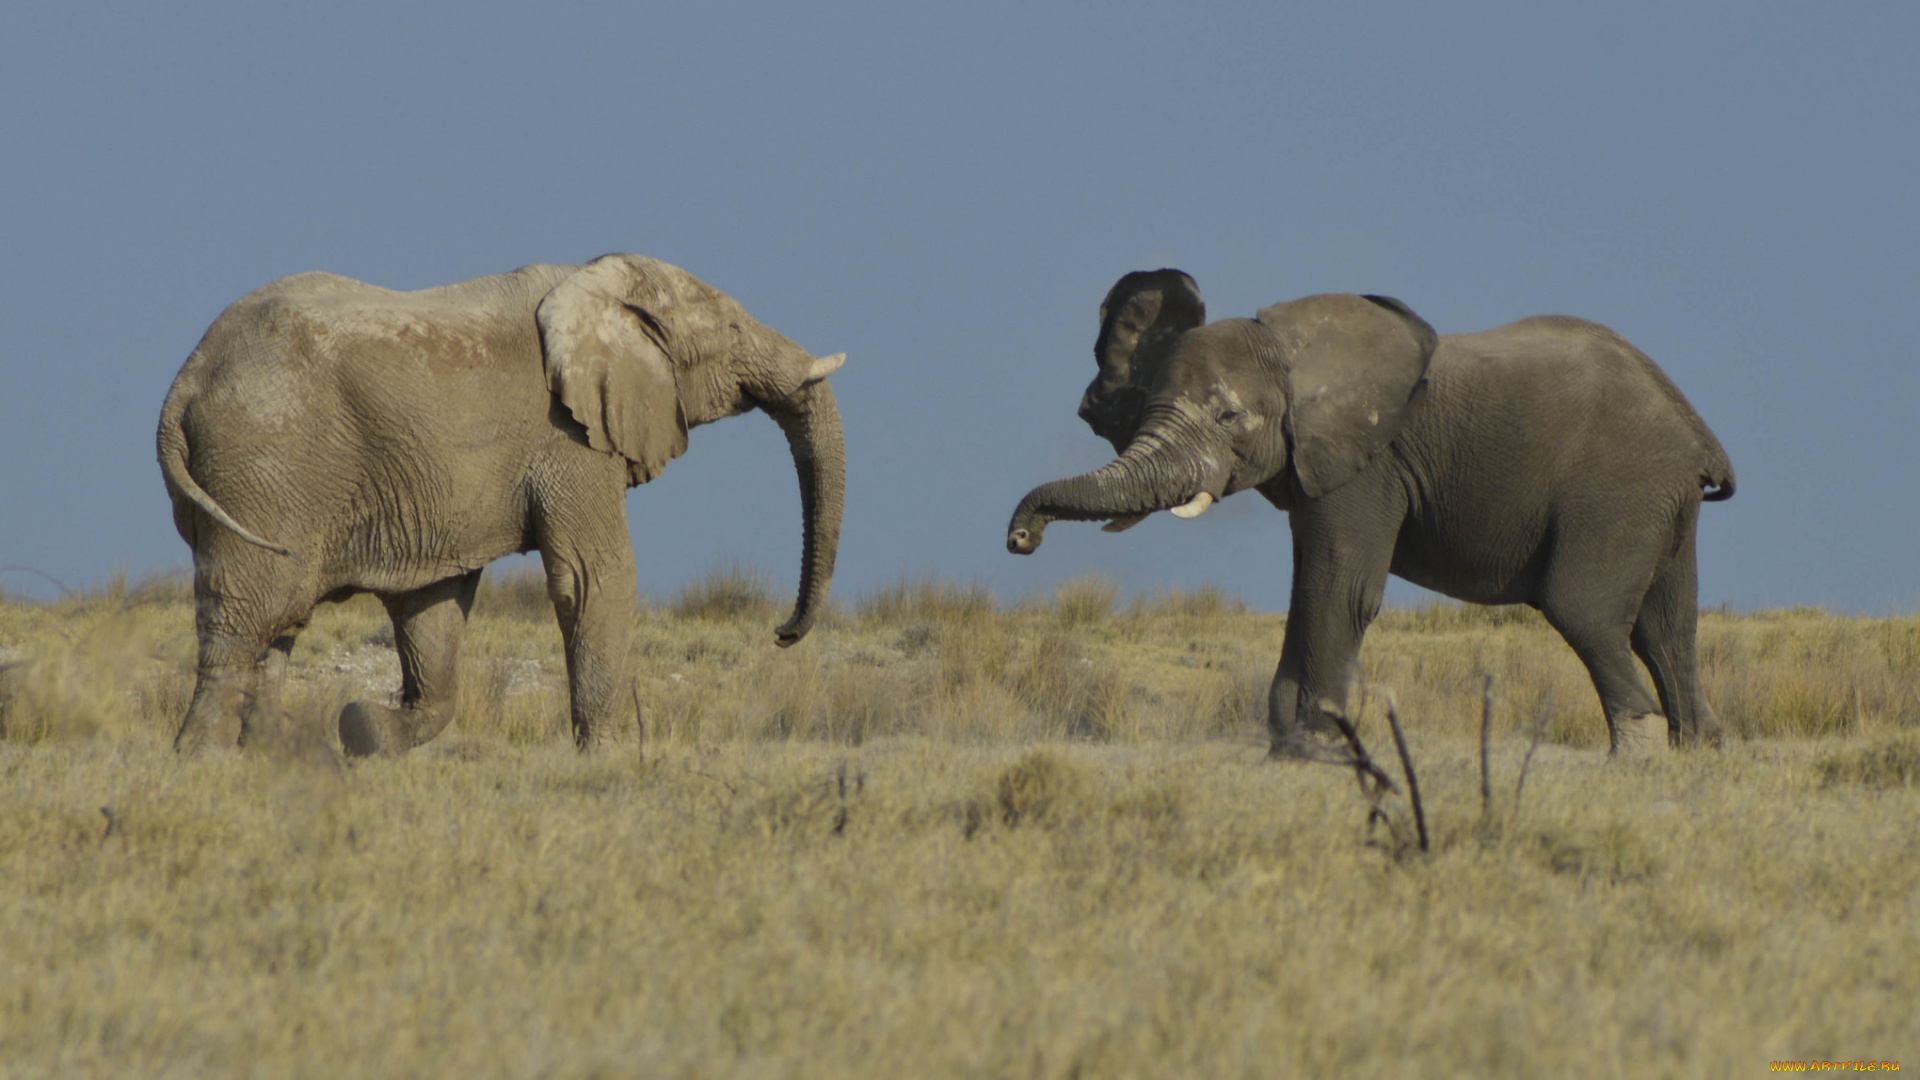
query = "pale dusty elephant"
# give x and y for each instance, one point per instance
(1546, 463)
(329, 437)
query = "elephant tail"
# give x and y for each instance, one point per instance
(1717, 477)
(182, 485)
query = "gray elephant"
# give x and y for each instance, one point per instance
(329, 437)
(1546, 463)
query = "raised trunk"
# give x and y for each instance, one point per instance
(811, 422)
(1150, 476)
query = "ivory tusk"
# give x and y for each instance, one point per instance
(824, 366)
(1195, 508)
(1123, 523)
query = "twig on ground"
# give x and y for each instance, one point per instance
(1406, 764)
(1361, 762)
(1486, 731)
(1539, 728)
(1374, 782)
(639, 722)
(42, 574)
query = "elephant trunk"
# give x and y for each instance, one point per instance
(811, 422)
(1151, 475)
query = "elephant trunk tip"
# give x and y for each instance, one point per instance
(1026, 528)
(790, 632)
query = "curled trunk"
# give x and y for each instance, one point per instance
(811, 422)
(1150, 476)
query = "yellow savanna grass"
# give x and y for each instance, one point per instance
(949, 836)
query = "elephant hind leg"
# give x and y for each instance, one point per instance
(429, 626)
(1664, 636)
(1605, 650)
(262, 721)
(245, 621)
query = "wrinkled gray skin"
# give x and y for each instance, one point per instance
(1546, 463)
(329, 438)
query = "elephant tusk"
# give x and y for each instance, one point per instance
(1195, 508)
(1123, 523)
(824, 366)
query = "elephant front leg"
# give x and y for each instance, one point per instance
(1316, 664)
(429, 626)
(593, 598)
(1339, 577)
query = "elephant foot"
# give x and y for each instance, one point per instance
(1296, 747)
(1706, 735)
(1640, 736)
(198, 736)
(370, 730)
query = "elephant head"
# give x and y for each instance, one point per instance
(1295, 403)
(1141, 317)
(639, 352)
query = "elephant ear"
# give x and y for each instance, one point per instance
(1356, 366)
(603, 331)
(1140, 318)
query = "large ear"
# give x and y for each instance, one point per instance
(606, 353)
(1140, 318)
(1356, 369)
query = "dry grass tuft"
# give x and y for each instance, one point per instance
(1085, 601)
(730, 591)
(926, 601)
(1889, 762)
(1037, 788)
(519, 594)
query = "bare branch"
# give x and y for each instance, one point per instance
(1406, 764)
(16, 568)
(1363, 767)
(1486, 731)
(639, 722)
(1539, 729)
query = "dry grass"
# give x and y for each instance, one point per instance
(946, 836)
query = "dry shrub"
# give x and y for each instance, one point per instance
(925, 601)
(1448, 616)
(1039, 788)
(100, 677)
(1891, 762)
(516, 699)
(730, 591)
(1085, 601)
(1215, 703)
(1072, 695)
(1806, 673)
(973, 650)
(1613, 853)
(1202, 610)
(519, 594)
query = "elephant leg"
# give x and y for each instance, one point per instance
(1339, 577)
(240, 617)
(1664, 637)
(592, 589)
(261, 717)
(429, 626)
(223, 682)
(1601, 639)
(1600, 575)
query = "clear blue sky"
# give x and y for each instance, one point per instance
(945, 192)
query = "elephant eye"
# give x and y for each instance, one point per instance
(1229, 416)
